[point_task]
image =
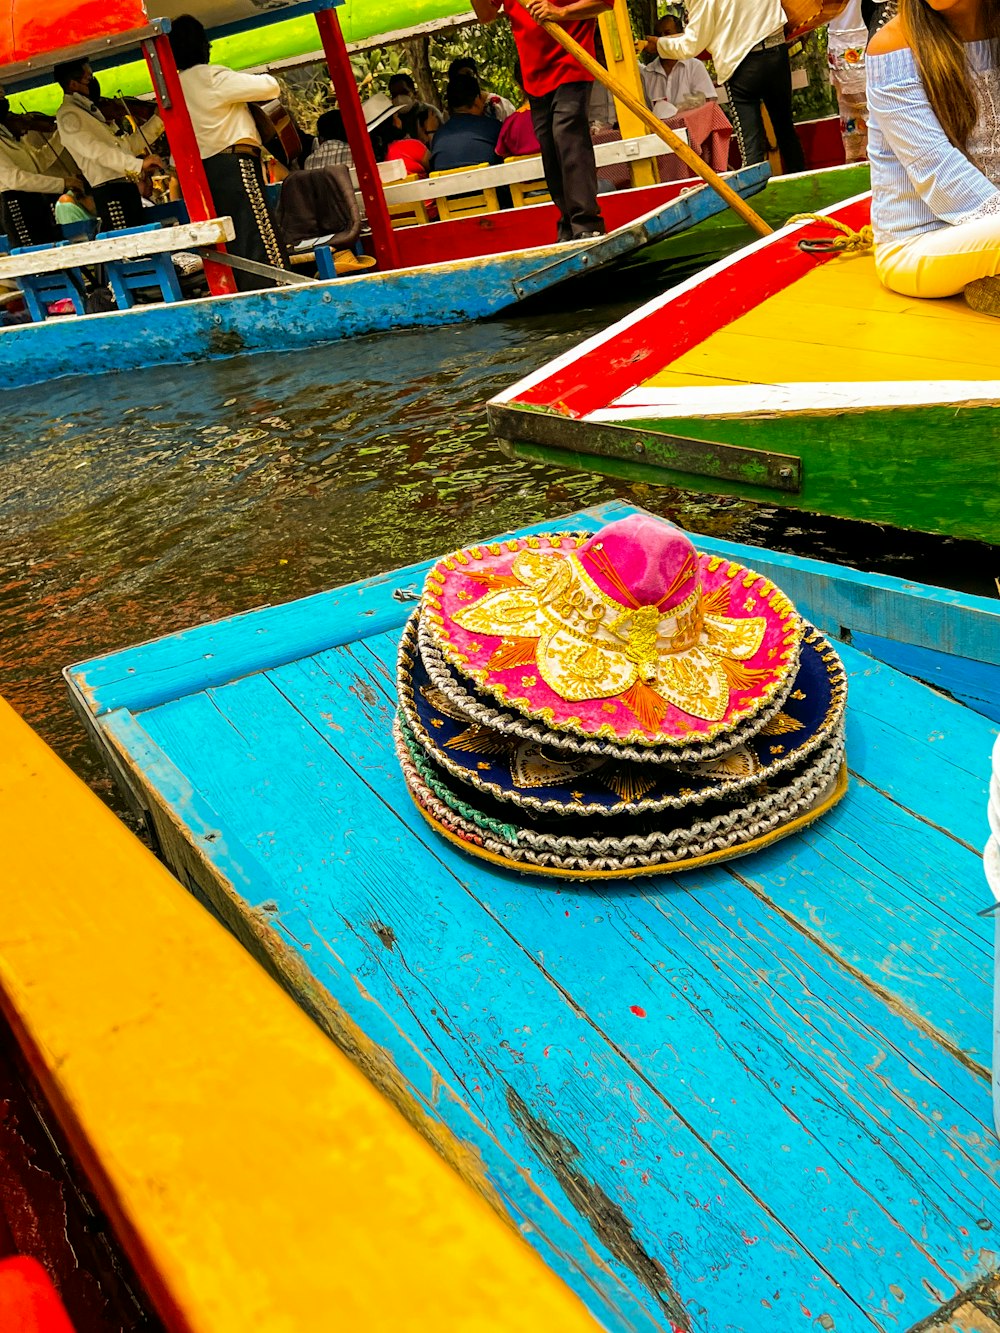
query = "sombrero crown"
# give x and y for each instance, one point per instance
(629, 634)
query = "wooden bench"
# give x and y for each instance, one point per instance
(520, 170)
(36, 262)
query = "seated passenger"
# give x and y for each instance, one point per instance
(417, 124)
(496, 106)
(934, 127)
(517, 133)
(332, 149)
(469, 137)
(678, 84)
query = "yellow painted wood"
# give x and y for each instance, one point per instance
(839, 324)
(256, 1178)
(620, 60)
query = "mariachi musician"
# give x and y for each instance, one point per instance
(118, 168)
(218, 101)
(32, 176)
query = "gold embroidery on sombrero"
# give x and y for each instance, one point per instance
(439, 700)
(477, 739)
(530, 766)
(780, 724)
(588, 646)
(627, 781)
(740, 762)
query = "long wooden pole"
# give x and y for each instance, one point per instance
(653, 123)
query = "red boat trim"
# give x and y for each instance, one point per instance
(615, 362)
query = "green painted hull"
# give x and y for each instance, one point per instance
(929, 469)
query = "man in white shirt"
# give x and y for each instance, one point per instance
(678, 84)
(746, 40)
(31, 180)
(118, 169)
(217, 99)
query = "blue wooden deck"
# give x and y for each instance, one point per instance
(286, 318)
(754, 1097)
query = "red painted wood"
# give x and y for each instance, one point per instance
(184, 149)
(29, 29)
(349, 104)
(28, 1300)
(520, 228)
(674, 326)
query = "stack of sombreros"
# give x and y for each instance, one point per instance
(614, 703)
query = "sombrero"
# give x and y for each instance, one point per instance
(544, 780)
(627, 635)
(615, 703)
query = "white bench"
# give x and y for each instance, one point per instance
(523, 169)
(107, 247)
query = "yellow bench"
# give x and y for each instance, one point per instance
(469, 204)
(528, 192)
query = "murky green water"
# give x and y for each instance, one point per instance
(132, 506)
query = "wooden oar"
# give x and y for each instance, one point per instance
(673, 141)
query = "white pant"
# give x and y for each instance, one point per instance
(941, 262)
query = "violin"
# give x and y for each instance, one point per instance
(23, 121)
(115, 109)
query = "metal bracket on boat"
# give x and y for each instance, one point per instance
(626, 447)
(278, 275)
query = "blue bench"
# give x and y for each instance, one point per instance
(128, 276)
(43, 289)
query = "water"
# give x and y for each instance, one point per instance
(133, 506)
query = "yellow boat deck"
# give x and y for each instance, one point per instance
(838, 324)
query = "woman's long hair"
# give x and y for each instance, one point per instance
(940, 57)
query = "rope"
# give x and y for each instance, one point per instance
(850, 242)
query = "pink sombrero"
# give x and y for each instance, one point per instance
(628, 635)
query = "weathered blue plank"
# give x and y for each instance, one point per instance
(972, 682)
(310, 314)
(348, 850)
(921, 1225)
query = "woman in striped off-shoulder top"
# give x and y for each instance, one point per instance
(934, 145)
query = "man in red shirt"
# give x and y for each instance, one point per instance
(558, 92)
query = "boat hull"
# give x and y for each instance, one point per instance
(788, 377)
(314, 313)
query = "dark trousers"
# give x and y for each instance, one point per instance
(563, 130)
(236, 181)
(764, 76)
(118, 204)
(28, 218)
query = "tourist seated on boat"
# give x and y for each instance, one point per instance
(469, 136)
(332, 148)
(31, 180)
(417, 124)
(218, 101)
(118, 168)
(934, 147)
(671, 85)
(402, 90)
(517, 133)
(497, 107)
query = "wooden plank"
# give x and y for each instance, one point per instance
(500, 1022)
(167, 1092)
(524, 169)
(975, 684)
(322, 793)
(168, 240)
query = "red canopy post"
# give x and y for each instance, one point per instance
(349, 103)
(184, 150)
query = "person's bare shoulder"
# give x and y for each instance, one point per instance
(890, 38)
